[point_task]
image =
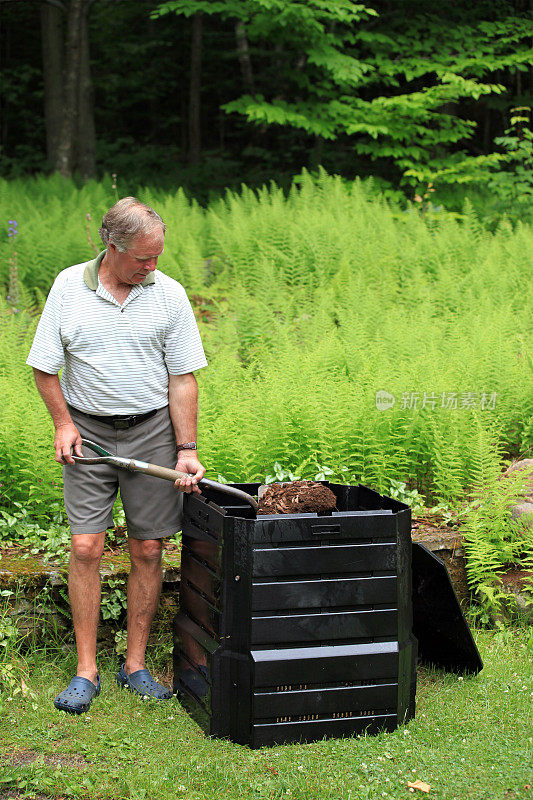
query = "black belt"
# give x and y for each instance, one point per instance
(119, 421)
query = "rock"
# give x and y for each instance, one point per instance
(33, 626)
(525, 463)
(38, 606)
(22, 607)
(523, 510)
(517, 584)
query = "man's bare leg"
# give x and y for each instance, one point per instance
(84, 593)
(144, 587)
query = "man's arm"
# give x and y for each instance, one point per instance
(67, 435)
(183, 407)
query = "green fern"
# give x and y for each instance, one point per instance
(318, 299)
(493, 540)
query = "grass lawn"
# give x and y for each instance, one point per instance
(471, 738)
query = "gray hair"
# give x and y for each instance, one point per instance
(127, 219)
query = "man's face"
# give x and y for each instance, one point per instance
(140, 258)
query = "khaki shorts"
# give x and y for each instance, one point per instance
(153, 507)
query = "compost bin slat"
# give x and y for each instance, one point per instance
(282, 629)
(311, 730)
(323, 559)
(327, 700)
(334, 593)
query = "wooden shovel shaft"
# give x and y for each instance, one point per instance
(174, 475)
(157, 471)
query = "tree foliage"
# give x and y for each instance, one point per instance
(387, 76)
(203, 93)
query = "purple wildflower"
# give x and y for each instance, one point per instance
(12, 229)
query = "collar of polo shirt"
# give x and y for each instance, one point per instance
(90, 273)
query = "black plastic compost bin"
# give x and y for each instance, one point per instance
(294, 627)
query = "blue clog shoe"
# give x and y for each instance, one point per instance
(78, 696)
(142, 683)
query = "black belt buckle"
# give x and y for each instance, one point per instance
(124, 423)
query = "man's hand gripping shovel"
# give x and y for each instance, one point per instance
(133, 465)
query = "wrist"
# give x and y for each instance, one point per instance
(186, 447)
(63, 424)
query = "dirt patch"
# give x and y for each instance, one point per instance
(202, 306)
(298, 497)
(515, 579)
(14, 795)
(22, 758)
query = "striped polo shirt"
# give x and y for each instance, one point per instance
(116, 359)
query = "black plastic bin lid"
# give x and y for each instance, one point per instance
(444, 638)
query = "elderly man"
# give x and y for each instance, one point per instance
(127, 340)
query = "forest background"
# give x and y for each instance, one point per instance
(207, 95)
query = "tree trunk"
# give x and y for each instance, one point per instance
(518, 85)
(184, 122)
(5, 107)
(52, 54)
(85, 161)
(195, 87)
(317, 153)
(65, 150)
(243, 54)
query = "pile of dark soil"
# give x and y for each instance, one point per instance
(298, 497)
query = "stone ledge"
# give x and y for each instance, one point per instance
(38, 601)
(28, 577)
(34, 571)
(447, 545)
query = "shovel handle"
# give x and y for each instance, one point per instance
(163, 472)
(133, 465)
(173, 475)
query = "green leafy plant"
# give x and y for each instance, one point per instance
(121, 642)
(20, 526)
(9, 633)
(12, 673)
(424, 200)
(494, 541)
(319, 299)
(279, 475)
(447, 515)
(512, 181)
(391, 85)
(114, 600)
(411, 497)
(9, 681)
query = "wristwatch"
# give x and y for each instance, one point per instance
(186, 446)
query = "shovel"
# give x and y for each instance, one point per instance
(132, 465)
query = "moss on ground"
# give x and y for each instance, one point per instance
(21, 569)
